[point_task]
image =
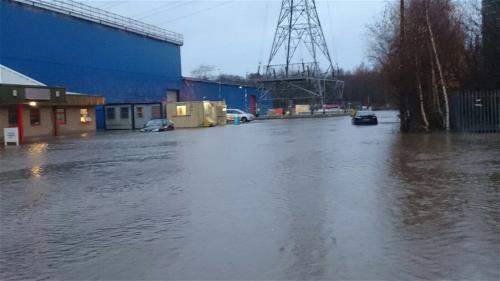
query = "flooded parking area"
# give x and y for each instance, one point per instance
(275, 199)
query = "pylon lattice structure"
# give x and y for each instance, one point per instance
(309, 77)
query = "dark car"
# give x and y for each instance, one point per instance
(365, 118)
(158, 125)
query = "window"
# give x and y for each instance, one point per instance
(61, 116)
(12, 116)
(34, 116)
(110, 113)
(181, 110)
(139, 111)
(84, 116)
(124, 112)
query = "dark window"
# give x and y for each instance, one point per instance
(124, 112)
(110, 113)
(61, 116)
(140, 113)
(12, 116)
(34, 116)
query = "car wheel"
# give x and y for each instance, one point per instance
(243, 120)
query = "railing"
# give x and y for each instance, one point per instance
(86, 12)
(295, 70)
(476, 111)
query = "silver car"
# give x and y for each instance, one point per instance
(237, 113)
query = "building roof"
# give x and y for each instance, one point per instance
(93, 14)
(12, 77)
(8, 76)
(191, 79)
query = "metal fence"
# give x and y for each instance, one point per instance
(83, 11)
(475, 111)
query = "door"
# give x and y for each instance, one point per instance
(156, 112)
(253, 105)
(15, 119)
(172, 97)
(13, 114)
(140, 116)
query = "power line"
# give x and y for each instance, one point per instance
(158, 10)
(330, 21)
(142, 13)
(261, 52)
(196, 12)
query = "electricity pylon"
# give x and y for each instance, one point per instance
(298, 24)
(299, 27)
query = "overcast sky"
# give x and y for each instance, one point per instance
(235, 35)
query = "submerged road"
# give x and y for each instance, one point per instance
(276, 199)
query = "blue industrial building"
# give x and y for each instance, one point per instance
(236, 96)
(91, 51)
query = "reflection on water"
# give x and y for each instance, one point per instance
(283, 199)
(36, 171)
(307, 246)
(37, 148)
(447, 205)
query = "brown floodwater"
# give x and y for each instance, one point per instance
(277, 199)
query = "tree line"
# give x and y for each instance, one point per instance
(427, 49)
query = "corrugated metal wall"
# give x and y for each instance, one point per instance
(87, 57)
(235, 97)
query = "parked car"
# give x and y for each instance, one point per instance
(158, 125)
(365, 118)
(242, 115)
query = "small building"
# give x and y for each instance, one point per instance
(39, 111)
(194, 114)
(131, 116)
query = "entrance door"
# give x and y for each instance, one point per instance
(13, 116)
(15, 119)
(141, 115)
(253, 105)
(172, 97)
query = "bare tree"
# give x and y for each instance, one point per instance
(204, 71)
(419, 46)
(440, 71)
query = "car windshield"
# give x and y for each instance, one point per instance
(155, 122)
(365, 113)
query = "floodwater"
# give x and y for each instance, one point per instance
(280, 199)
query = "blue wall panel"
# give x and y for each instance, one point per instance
(235, 97)
(87, 57)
